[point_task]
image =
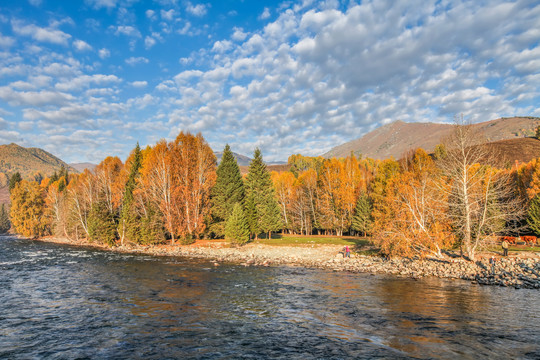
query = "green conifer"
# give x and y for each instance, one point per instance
(534, 215)
(14, 180)
(101, 224)
(5, 225)
(362, 220)
(228, 191)
(130, 221)
(237, 229)
(261, 207)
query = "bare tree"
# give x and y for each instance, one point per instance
(482, 200)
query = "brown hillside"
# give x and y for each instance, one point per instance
(4, 195)
(29, 161)
(520, 150)
(394, 139)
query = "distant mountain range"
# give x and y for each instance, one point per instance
(29, 161)
(80, 167)
(394, 139)
(242, 160)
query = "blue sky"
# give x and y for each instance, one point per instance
(88, 79)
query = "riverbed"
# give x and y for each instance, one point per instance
(62, 302)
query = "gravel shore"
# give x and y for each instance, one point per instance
(518, 271)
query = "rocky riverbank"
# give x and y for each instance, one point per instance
(519, 271)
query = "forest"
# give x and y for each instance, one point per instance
(462, 196)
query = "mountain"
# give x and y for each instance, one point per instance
(80, 167)
(242, 160)
(29, 161)
(394, 139)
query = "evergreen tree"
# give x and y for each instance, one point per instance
(129, 224)
(537, 134)
(262, 207)
(14, 180)
(534, 215)
(362, 220)
(237, 229)
(5, 225)
(228, 191)
(101, 224)
(151, 229)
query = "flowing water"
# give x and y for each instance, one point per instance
(64, 302)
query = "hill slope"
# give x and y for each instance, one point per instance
(29, 161)
(394, 139)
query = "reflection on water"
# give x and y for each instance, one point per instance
(63, 302)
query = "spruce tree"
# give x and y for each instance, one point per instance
(228, 191)
(534, 215)
(5, 225)
(101, 224)
(362, 220)
(129, 224)
(14, 180)
(261, 206)
(151, 229)
(237, 229)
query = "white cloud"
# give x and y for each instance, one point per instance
(34, 98)
(81, 45)
(239, 34)
(50, 35)
(150, 14)
(197, 10)
(137, 60)
(81, 82)
(35, 2)
(149, 42)
(128, 31)
(104, 53)
(98, 4)
(139, 84)
(6, 41)
(167, 15)
(265, 14)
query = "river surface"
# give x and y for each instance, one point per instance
(64, 302)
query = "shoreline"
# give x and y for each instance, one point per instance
(516, 271)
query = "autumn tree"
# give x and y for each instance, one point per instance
(27, 209)
(227, 192)
(193, 176)
(482, 200)
(261, 206)
(413, 218)
(237, 228)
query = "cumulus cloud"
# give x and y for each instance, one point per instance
(149, 42)
(104, 53)
(98, 4)
(265, 14)
(50, 34)
(6, 41)
(137, 60)
(197, 10)
(34, 98)
(139, 84)
(128, 31)
(81, 45)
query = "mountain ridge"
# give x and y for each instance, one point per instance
(396, 138)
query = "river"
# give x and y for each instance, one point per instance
(65, 302)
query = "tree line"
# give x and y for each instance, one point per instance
(175, 192)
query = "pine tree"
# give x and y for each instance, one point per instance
(228, 191)
(262, 207)
(534, 215)
(537, 134)
(151, 229)
(101, 224)
(129, 224)
(237, 229)
(362, 220)
(14, 180)
(5, 225)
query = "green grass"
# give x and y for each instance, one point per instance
(515, 249)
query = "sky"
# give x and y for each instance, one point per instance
(91, 78)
